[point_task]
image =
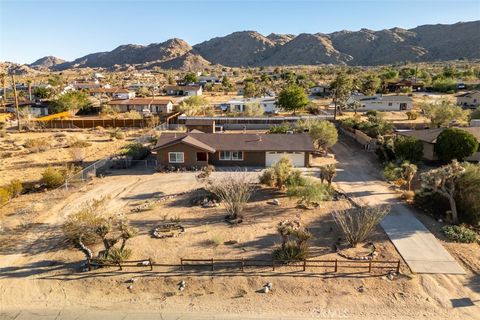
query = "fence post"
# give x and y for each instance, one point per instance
(89, 266)
(336, 265)
(120, 265)
(146, 165)
(398, 266)
(150, 261)
(212, 264)
(273, 264)
(304, 264)
(181, 264)
(243, 264)
(369, 266)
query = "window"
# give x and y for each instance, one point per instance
(390, 104)
(231, 155)
(237, 155)
(175, 157)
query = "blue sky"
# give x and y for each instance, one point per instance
(70, 28)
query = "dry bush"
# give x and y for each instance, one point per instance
(37, 145)
(53, 178)
(77, 154)
(357, 223)
(234, 191)
(75, 141)
(294, 241)
(4, 196)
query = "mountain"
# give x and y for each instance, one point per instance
(132, 54)
(238, 49)
(46, 62)
(250, 48)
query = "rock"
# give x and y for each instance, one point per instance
(361, 289)
(266, 289)
(145, 263)
(269, 285)
(182, 283)
(130, 287)
(274, 202)
(132, 280)
(391, 275)
(440, 220)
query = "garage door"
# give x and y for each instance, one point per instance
(297, 158)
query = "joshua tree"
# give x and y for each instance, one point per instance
(327, 173)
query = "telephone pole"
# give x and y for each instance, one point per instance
(16, 102)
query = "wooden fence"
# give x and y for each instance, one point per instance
(241, 264)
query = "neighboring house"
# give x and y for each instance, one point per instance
(153, 105)
(403, 85)
(79, 85)
(35, 109)
(190, 90)
(203, 80)
(113, 93)
(429, 139)
(203, 125)
(469, 99)
(383, 103)
(196, 149)
(320, 89)
(269, 104)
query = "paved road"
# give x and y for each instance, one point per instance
(359, 176)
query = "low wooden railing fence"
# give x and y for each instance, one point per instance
(332, 265)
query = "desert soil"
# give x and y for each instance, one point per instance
(38, 270)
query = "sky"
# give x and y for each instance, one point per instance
(69, 29)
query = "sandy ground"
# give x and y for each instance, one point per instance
(39, 271)
(18, 162)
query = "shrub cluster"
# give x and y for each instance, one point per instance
(12, 190)
(135, 150)
(460, 234)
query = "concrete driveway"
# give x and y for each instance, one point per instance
(359, 176)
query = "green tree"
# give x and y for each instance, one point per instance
(455, 143)
(371, 85)
(293, 98)
(190, 78)
(408, 148)
(253, 109)
(226, 84)
(193, 105)
(444, 84)
(342, 89)
(42, 92)
(250, 90)
(442, 114)
(323, 133)
(73, 100)
(468, 195)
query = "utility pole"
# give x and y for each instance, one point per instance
(335, 103)
(16, 102)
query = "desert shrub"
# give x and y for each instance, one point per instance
(216, 240)
(468, 194)
(310, 192)
(294, 241)
(295, 178)
(234, 191)
(408, 148)
(455, 143)
(408, 195)
(77, 154)
(77, 142)
(433, 204)
(327, 173)
(460, 234)
(392, 172)
(4, 196)
(281, 128)
(268, 177)
(117, 134)
(357, 223)
(118, 254)
(136, 150)
(206, 172)
(37, 145)
(53, 178)
(282, 170)
(15, 188)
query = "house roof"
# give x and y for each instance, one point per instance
(199, 122)
(184, 88)
(108, 90)
(141, 101)
(468, 94)
(164, 142)
(398, 98)
(241, 141)
(431, 135)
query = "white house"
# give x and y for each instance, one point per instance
(190, 90)
(153, 105)
(114, 93)
(382, 102)
(320, 89)
(269, 104)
